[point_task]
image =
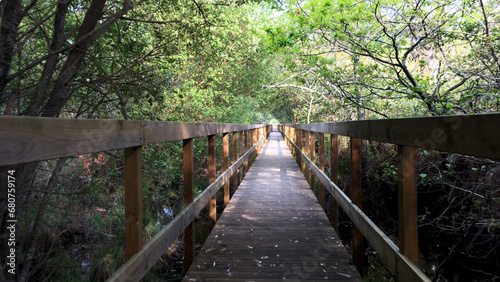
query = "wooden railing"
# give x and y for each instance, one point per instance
(31, 139)
(475, 135)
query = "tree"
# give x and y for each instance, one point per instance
(377, 54)
(400, 59)
(168, 60)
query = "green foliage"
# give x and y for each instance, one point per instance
(389, 58)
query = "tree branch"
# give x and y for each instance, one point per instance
(149, 21)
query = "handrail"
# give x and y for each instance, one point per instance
(139, 264)
(388, 251)
(475, 135)
(29, 139)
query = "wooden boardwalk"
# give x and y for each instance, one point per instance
(273, 229)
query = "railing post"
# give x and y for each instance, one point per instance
(133, 201)
(188, 199)
(235, 158)
(321, 152)
(258, 134)
(307, 152)
(313, 159)
(245, 166)
(225, 142)
(242, 151)
(261, 134)
(298, 142)
(356, 199)
(296, 138)
(303, 149)
(250, 143)
(254, 140)
(334, 170)
(407, 194)
(287, 132)
(211, 178)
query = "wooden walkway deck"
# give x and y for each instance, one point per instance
(273, 229)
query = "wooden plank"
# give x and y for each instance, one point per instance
(334, 170)
(188, 199)
(321, 152)
(139, 264)
(212, 212)
(407, 194)
(475, 135)
(296, 243)
(29, 139)
(161, 131)
(389, 253)
(133, 201)
(225, 157)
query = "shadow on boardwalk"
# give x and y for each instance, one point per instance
(273, 229)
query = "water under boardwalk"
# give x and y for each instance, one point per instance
(273, 228)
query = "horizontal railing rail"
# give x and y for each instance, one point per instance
(32, 139)
(29, 139)
(475, 135)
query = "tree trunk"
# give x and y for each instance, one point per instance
(51, 63)
(11, 18)
(59, 94)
